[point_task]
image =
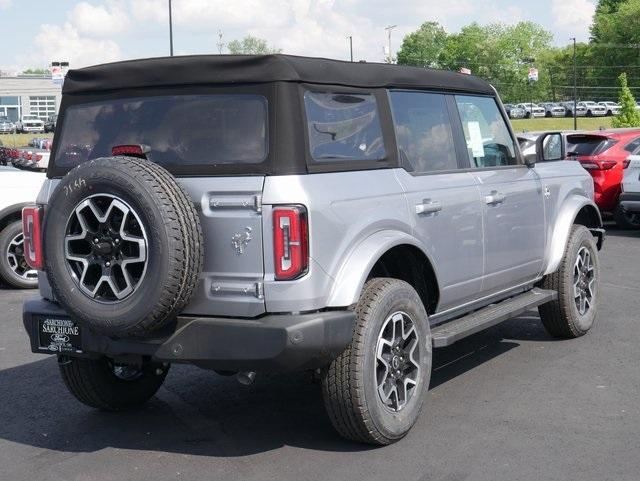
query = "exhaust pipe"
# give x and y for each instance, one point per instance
(246, 378)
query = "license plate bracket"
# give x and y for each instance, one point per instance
(59, 335)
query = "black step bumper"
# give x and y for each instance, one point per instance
(277, 342)
(630, 201)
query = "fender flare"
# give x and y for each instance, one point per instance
(11, 210)
(560, 235)
(350, 280)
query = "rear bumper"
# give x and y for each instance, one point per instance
(278, 342)
(630, 201)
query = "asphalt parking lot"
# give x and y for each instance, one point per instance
(507, 404)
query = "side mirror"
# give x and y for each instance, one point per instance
(549, 147)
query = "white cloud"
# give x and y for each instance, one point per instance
(573, 17)
(54, 42)
(100, 20)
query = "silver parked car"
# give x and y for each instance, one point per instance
(332, 216)
(532, 110)
(514, 112)
(581, 110)
(613, 108)
(6, 126)
(553, 109)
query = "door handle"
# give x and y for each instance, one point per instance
(494, 198)
(428, 207)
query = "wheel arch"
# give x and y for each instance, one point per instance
(576, 210)
(11, 214)
(386, 254)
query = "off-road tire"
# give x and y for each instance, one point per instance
(93, 382)
(561, 317)
(622, 220)
(174, 253)
(6, 273)
(349, 385)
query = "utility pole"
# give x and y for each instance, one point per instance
(389, 29)
(575, 86)
(170, 31)
(220, 42)
(351, 47)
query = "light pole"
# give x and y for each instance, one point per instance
(170, 31)
(389, 29)
(351, 47)
(575, 87)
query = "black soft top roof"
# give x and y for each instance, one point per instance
(243, 69)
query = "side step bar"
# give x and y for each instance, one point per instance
(452, 331)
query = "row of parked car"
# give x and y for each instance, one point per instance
(28, 124)
(562, 109)
(612, 157)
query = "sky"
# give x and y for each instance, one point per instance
(89, 32)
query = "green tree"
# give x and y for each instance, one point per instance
(629, 116)
(423, 47)
(608, 6)
(250, 45)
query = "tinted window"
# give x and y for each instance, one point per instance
(587, 145)
(633, 146)
(343, 126)
(489, 142)
(423, 131)
(179, 129)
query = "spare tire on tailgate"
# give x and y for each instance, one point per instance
(123, 246)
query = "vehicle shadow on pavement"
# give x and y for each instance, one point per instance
(200, 413)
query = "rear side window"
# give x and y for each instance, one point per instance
(343, 127)
(179, 129)
(423, 131)
(489, 142)
(633, 146)
(588, 145)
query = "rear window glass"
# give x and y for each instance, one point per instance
(343, 127)
(581, 145)
(179, 129)
(633, 146)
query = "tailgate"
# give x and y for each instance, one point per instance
(231, 283)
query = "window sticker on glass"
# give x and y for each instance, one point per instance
(475, 139)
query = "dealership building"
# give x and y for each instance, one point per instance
(29, 95)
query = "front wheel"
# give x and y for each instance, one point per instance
(110, 386)
(577, 283)
(374, 390)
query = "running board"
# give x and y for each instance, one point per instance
(452, 331)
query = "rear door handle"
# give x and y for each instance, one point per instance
(494, 198)
(428, 207)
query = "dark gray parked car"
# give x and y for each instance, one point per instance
(270, 213)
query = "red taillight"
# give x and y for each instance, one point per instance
(290, 242)
(140, 151)
(31, 229)
(625, 163)
(597, 164)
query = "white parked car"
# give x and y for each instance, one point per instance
(630, 196)
(30, 123)
(593, 109)
(613, 108)
(18, 188)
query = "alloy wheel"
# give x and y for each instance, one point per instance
(584, 281)
(17, 262)
(105, 248)
(397, 361)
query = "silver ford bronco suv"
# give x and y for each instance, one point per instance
(252, 214)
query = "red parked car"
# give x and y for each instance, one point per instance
(604, 155)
